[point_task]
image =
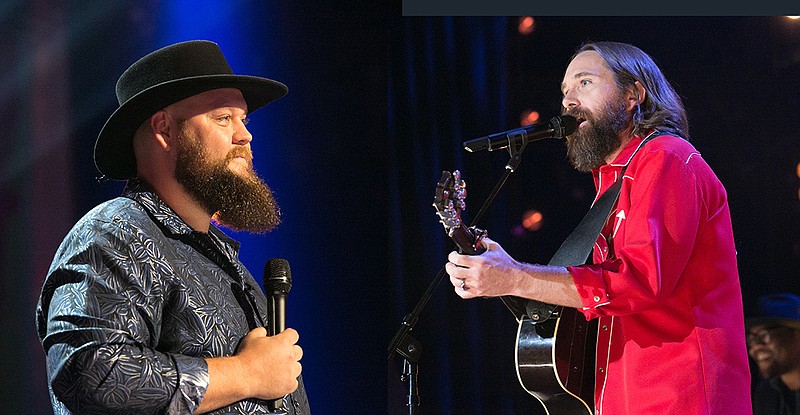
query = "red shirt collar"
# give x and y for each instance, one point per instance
(624, 157)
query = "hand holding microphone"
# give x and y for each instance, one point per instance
(270, 365)
(277, 284)
(266, 364)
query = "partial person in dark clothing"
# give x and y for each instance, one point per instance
(146, 307)
(773, 342)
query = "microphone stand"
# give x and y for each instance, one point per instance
(403, 343)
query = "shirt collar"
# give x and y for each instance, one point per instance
(625, 156)
(167, 218)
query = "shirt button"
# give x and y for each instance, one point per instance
(601, 370)
(596, 298)
(605, 328)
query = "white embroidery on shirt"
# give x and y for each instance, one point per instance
(619, 218)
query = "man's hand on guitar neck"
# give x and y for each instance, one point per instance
(494, 273)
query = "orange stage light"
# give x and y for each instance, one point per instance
(528, 117)
(526, 25)
(532, 220)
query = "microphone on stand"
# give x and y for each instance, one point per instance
(277, 283)
(559, 126)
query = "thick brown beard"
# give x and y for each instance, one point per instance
(590, 146)
(238, 202)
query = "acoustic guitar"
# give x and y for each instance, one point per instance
(555, 347)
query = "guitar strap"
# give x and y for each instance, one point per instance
(576, 249)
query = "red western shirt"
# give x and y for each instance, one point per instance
(665, 288)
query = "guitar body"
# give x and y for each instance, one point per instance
(555, 354)
(555, 362)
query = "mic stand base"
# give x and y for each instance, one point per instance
(410, 372)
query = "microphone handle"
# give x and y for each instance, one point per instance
(277, 323)
(278, 309)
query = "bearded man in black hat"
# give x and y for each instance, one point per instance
(773, 342)
(146, 307)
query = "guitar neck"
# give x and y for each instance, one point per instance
(467, 241)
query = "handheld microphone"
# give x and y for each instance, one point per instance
(559, 126)
(277, 283)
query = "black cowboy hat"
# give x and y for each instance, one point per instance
(777, 309)
(162, 78)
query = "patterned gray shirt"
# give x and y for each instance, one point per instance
(132, 304)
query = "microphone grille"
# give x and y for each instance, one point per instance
(566, 125)
(277, 275)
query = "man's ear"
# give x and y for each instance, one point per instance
(162, 128)
(635, 96)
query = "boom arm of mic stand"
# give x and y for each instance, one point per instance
(403, 343)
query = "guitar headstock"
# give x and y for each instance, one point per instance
(449, 203)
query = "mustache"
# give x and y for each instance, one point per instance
(243, 152)
(578, 113)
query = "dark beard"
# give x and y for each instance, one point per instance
(237, 202)
(590, 146)
(774, 369)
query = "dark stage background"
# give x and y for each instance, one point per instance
(321, 148)
(457, 78)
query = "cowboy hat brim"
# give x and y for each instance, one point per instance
(113, 151)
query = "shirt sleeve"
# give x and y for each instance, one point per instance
(663, 209)
(99, 320)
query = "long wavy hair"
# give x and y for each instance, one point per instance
(662, 108)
